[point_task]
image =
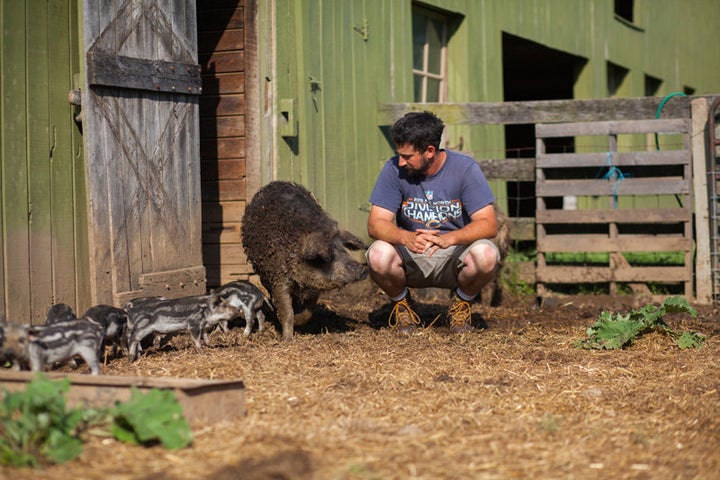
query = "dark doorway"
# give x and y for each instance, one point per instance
(532, 71)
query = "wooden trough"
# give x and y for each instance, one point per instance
(202, 401)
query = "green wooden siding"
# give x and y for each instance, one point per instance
(339, 60)
(335, 68)
(43, 216)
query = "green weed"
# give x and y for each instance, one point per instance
(611, 332)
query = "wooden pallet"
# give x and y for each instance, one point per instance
(605, 180)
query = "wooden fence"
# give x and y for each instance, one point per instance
(556, 231)
(605, 177)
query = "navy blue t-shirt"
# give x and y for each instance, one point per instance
(443, 201)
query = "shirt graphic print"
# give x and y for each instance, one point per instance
(431, 214)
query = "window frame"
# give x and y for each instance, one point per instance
(423, 73)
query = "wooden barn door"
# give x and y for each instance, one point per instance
(141, 131)
(43, 241)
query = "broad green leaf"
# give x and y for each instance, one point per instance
(689, 340)
(612, 335)
(151, 417)
(617, 331)
(61, 447)
(123, 431)
(678, 304)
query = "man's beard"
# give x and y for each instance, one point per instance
(417, 172)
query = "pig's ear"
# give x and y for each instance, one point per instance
(351, 241)
(315, 247)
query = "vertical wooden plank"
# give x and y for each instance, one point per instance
(83, 299)
(687, 202)
(125, 159)
(171, 156)
(144, 120)
(95, 19)
(61, 189)
(540, 290)
(176, 161)
(181, 152)
(287, 46)
(40, 137)
(129, 198)
(334, 62)
(615, 257)
(256, 123)
(14, 164)
(168, 161)
(703, 277)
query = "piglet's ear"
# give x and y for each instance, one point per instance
(32, 333)
(216, 300)
(351, 241)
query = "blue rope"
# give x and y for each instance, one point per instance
(613, 173)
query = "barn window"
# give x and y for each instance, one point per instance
(652, 86)
(616, 76)
(630, 13)
(624, 10)
(430, 32)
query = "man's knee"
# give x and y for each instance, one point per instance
(484, 256)
(380, 255)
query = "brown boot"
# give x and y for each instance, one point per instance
(459, 316)
(403, 317)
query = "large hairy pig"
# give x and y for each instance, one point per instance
(297, 250)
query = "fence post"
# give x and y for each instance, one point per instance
(703, 279)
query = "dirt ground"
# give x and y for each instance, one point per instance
(349, 399)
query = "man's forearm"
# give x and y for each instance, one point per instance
(387, 231)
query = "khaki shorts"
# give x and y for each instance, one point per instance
(441, 270)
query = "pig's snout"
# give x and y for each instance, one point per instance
(352, 271)
(361, 272)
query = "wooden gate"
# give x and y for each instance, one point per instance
(141, 131)
(605, 179)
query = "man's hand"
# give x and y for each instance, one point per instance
(427, 242)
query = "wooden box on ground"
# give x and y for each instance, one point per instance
(202, 401)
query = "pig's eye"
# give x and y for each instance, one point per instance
(320, 261)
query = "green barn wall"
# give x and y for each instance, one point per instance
(335, 75)
(339, 60)
(43, 240)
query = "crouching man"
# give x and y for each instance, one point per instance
(432, 218)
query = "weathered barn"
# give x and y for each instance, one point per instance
(134, 131)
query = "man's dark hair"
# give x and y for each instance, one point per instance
(419, 129)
